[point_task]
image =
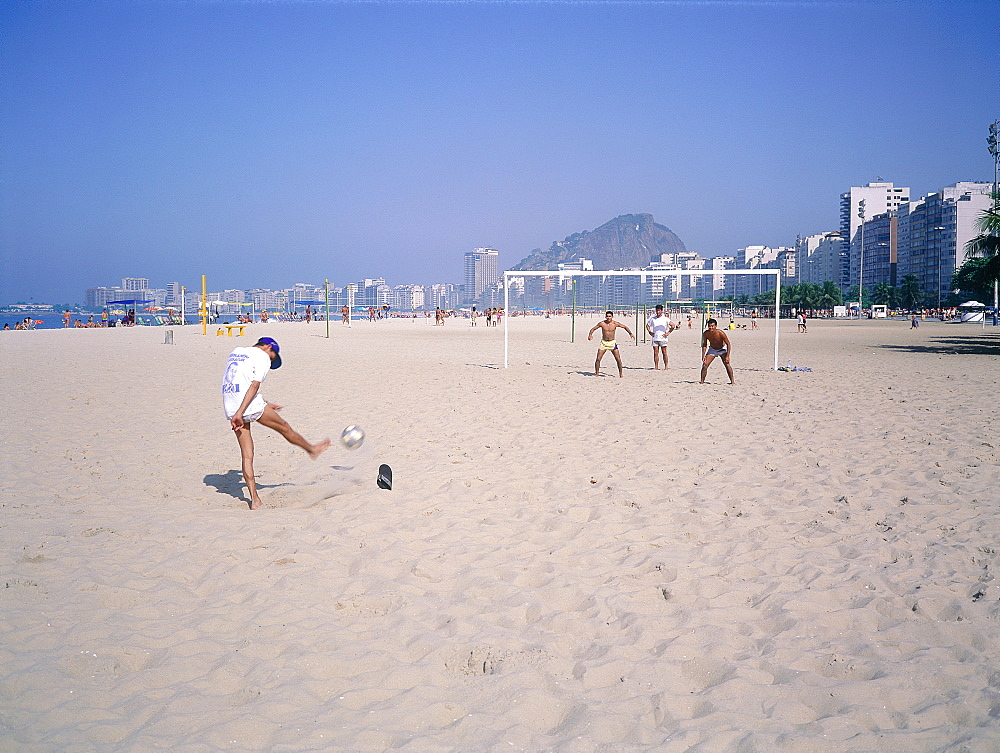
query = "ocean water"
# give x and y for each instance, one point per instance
(53, 319)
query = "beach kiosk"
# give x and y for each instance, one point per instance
(973, 311)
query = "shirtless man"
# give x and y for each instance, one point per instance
(245, 371)
(715, 343)
(608, 327)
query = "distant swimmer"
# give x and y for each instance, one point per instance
(245, 370)
(715, 344)
(608, 326)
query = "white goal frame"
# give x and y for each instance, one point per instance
(678, 273)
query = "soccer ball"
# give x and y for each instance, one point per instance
(352, 437)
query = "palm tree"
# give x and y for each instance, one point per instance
(830, 295)
(973, 278)
(909, 292)
(882, 293)
(986, 245)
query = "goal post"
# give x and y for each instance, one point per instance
(677, 273)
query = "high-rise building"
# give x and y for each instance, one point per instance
(932, 233)
(819, 258)
(173, 294)
(880, 251)
(95, 298)
(481, 272)
(878, 198)
(716, 287)
(135, 284)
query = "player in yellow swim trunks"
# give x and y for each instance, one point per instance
(608, 325)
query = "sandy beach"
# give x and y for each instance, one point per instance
(801, 562)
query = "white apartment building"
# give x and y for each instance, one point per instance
(407, 297)
(482, 271)
(173, 297)
(932, 233)
(135, 284)
(819, 258)
(716, 287)
(95, 298)
(877, 198)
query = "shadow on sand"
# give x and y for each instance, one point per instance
(231, 483)
(977, 345)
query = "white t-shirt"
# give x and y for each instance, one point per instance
(661, 328)
(245, 365)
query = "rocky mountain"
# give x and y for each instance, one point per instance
(628, 241)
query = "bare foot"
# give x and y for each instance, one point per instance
(319, 448)
(255, 503)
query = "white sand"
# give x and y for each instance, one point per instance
(802, 562)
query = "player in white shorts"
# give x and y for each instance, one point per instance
(660, 327)
(245, 370)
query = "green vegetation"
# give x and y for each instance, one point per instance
(978, 273)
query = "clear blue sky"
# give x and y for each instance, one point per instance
(269, 143)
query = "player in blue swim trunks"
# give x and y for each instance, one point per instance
(715, 344)
(608, 325)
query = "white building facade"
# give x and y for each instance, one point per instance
(873, 199)
(482, 272)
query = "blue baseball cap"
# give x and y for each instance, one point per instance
(270, 341)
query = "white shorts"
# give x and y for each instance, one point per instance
(659, 343)
(254, 411)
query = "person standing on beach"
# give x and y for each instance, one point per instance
(802, 322)
(715, 344)
(660, 327)
(608, 326)
(66, 318)
(245, 371)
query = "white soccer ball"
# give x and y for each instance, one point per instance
(352, 437)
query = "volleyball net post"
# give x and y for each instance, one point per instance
(776, 273)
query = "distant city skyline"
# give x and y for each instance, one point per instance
(273, 143)
(921, 237)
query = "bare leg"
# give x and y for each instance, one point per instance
(663, 349)
(729, 369)
(656, 357)
(272, 420)
(597, 363)
(618, 358)
(705, 363)
(245, 439)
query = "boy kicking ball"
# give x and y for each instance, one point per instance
(715, 344)
(245, 371)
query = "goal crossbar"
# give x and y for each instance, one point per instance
(642, 275)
